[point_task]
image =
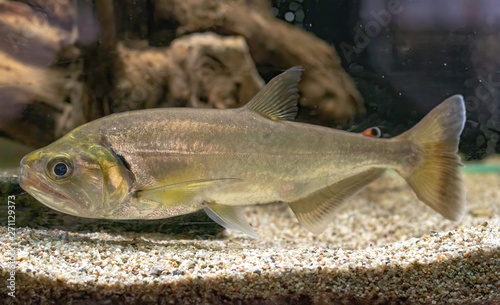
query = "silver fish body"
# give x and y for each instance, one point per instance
(165, 162)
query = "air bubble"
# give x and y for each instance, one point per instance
(294, 6)
(289, 16)
(299, 16)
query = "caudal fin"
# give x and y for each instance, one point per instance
(436, 179)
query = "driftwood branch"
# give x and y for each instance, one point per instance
(67, 62)
(32, 95)
(273, 43)
(199, 70)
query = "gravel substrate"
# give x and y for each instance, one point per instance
(384, 247)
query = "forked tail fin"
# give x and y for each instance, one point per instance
(436, 179)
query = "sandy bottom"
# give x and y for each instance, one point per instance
(383, 247)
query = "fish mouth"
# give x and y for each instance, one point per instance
(49, 197)
(32, 185)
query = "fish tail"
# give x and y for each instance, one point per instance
(436, 178)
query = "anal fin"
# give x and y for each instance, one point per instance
(230, 217)
(316, 210)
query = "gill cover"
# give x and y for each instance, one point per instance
(116, 178)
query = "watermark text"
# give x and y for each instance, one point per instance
(11, 231)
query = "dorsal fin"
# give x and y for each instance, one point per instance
(278, 99)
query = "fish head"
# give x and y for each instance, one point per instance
(77, 178)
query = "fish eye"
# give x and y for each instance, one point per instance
(59, 168)
(376, 132)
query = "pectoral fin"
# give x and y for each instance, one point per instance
(315, 211)
(230, 217)
(185, 191)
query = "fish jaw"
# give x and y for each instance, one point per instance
(33, 180)
(53, 199)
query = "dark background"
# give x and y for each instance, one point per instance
(428, 51)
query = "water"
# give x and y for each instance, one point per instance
(368, 63)
(65, 67)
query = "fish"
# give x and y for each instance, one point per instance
(160, 163)
(373, 132)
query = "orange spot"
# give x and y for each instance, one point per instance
(368, 132)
